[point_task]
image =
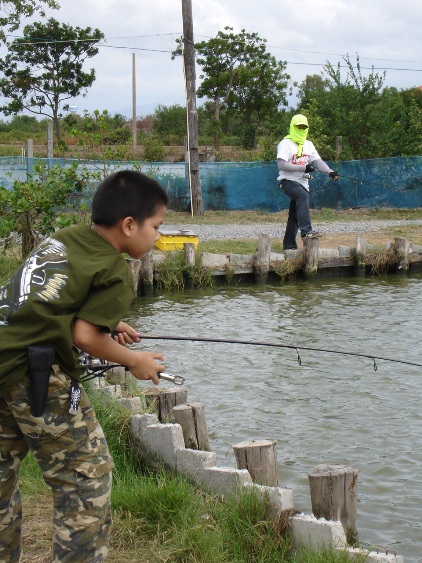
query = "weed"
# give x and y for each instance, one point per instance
(287, 269)
(382, 262)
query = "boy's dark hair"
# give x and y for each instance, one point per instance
(127, 193)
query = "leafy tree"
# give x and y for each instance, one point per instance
(98, 138)
(347, 108)
(44, 69)
(34, 208)
(307, 89)
(238, 73)
(11, 12)
(170, 124)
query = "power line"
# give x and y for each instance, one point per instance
(44, 41)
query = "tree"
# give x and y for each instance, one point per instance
(40, 74)
(170, 124)
(12, 10)
(34, 208)
(307, 89)
(348, 110)
(240, 74)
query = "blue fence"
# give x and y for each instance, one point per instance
(384, 182)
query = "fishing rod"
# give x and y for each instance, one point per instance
(95, 367)
(356, 179)
(290, 346)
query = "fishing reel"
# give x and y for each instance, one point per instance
(96, 367)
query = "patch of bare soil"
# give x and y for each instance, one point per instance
(37, 528)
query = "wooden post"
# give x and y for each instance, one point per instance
(262, 259)
(120, 376)
(189, 254)
(360, 258)
(189, 257)
(165, 400)
(197, 203)
(135, 266)
(191, 418)
(147, 274)
(134, 130)
(29, 157)
(310, 255)
(333, 496)
(259, 458)
(339, 145)
(402, 250)
(49, 139)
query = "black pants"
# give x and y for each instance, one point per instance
(299, 218)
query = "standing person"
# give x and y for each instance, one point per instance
(69, 295)
(296, 157)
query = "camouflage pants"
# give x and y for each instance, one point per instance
(72, 452)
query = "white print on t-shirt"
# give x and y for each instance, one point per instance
(301, 160)
(50, 255)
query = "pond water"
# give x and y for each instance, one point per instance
(332, 409)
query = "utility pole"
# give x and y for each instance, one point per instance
(197, 205)
(133, 105)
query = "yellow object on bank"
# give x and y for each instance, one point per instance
(174, 240)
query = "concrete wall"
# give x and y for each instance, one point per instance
(163, 445)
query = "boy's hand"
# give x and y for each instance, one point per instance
(125, 334)
(144, 366)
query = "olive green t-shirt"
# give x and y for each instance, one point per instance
(75, 273)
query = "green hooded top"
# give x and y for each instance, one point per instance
(296, 135)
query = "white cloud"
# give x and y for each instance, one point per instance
(305, 34)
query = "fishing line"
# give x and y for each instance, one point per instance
(290, 346)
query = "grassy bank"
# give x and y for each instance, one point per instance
(318, 216)
(160, 517)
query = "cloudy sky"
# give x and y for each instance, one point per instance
(384, 33)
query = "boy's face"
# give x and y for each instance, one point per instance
(144, 236)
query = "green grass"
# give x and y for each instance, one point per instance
(164, 517)
(318, 216)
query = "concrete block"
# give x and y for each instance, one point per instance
(241, 260)
(328, 253)
(293, 254)
(370, 557)
(193, 463)
(132, 403)
(276, 258)
(138, 424)
(162, 442)
(224, 480)
(345, 251)
(415, 248)
(279, 498)
(317, 534)
(214, 261)
(114, 391)
(158, 258)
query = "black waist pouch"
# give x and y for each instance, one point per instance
(40, 360)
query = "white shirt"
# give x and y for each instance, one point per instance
(287, 151)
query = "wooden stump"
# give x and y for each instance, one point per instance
(402, 250)
(333, 496)
(310, 255)
(164, 400)
(189, 257)
(191, 418)
(262, 259)
(360, 257)
(147, 274)
(135, 266)
(259, 458)
(120, 376)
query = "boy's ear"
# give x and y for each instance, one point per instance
(128, 226)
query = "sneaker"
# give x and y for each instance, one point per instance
(312, 234)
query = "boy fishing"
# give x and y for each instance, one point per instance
(69, 295)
